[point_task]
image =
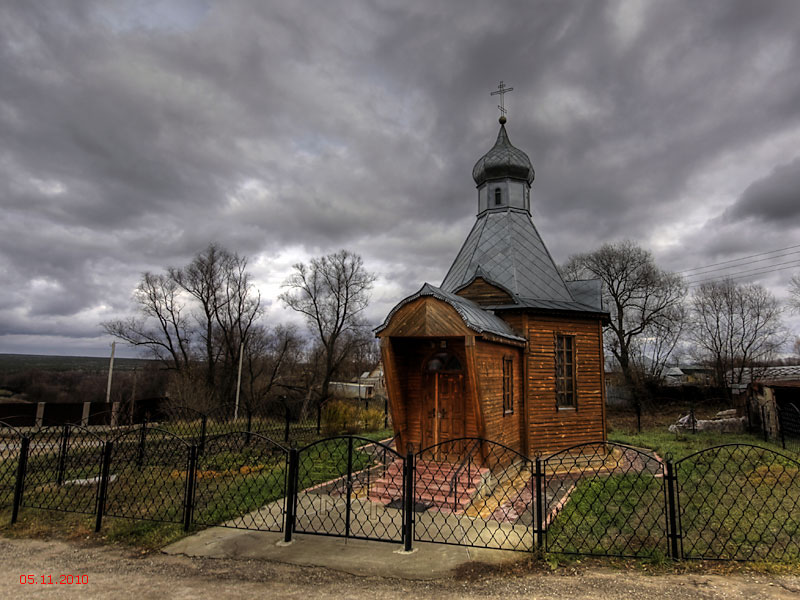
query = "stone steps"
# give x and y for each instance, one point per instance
(435, 485)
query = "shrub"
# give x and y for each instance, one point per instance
(340, 417)
(373, 419)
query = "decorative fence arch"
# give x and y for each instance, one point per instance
(605, 499)
(62, 469)
(474, 492)
(241, 482)
(150, 476)
(747, 510)
(350, 487)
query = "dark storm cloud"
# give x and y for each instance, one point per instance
(133, 134)
(774, 199)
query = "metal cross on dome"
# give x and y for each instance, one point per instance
(502, 90)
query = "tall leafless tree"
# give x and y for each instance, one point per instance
(644, 302)
(735, 328)
(196, 317)
(272, 359)
(331, 292)
(163, 327)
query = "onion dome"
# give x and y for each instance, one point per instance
(503, 160)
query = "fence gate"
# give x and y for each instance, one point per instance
(473, 492)
(605, 499)
(349, 487)
(739, 502)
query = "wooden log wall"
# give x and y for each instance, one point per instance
(551, 428)
(500, 426)
(484, 293)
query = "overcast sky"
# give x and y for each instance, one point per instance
(132, 134)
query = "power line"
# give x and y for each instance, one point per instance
(724, 262)
(740, 275)
(744, 264)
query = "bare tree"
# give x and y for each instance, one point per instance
(271, 358)
(644, 302)
(196, 319)
(734, 327)
(202, 280)
(331, 292)
(794, 293)
(651, 351)
(163, 327)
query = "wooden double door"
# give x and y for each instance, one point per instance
(443, 407)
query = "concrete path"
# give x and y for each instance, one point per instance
(357, 557)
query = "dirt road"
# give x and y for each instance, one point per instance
(116, 573)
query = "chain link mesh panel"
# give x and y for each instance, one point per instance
(63, 469)
(148, 476)
(739, 502)
(241, 482)
(350, 487)
(474, 492)
(10, 446)
(605, 499)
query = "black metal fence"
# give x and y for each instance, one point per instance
(789, 426)
(730, 502)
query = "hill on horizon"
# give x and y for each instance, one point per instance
(15, 363)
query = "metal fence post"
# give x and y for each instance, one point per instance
(142, 441)
(286, 425)
(539, 510)
(779, 414)
(291, 495)
(348, 506)
(672, 510)
(764, 424)
(408, 501)
(188, 498)
(319, 417)
(22, 466)
(62, 456)
(203, 425)
(385, 412)
(102, 491)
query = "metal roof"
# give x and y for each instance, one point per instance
(505, 245)
(587, 291)
(503, 160)
(476, 318)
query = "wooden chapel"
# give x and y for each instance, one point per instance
(504, 349)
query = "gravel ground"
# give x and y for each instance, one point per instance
(115, 573)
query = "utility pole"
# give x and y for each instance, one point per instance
(238, 382)
(110, 372)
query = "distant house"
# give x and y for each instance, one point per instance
(369, 385)
(688, 375)
(503, 349)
